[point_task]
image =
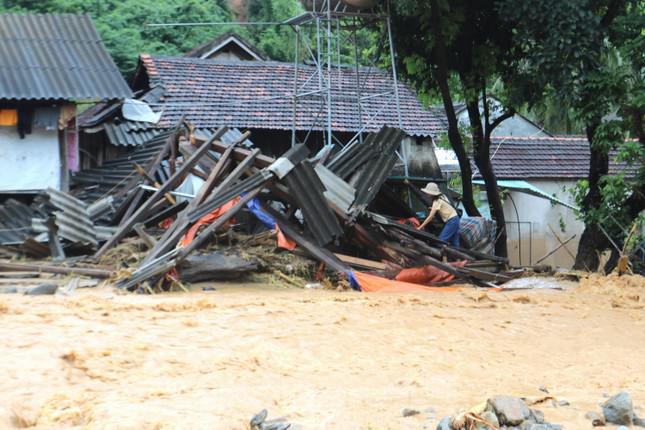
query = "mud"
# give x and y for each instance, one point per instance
(322, 359)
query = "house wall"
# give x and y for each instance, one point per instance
(29, 164)
(538, 217)
(422, 161)
(513, 126)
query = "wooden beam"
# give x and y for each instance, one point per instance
(361, 262)
(45, 268)
(171, 183)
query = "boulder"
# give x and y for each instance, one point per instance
(41, 290)
(597, 419)
(542, 426)
(444, 424)
(491, 418)
(619, 409)
(510, 411)
(536, 416)
(407, 412)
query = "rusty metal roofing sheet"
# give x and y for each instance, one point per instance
(56, 56)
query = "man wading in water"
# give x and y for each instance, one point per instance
(438, 203)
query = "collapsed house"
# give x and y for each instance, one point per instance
(320, 208)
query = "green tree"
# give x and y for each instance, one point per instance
(590, 54)
(440, 41)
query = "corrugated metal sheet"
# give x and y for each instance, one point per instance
(307, 189)
(376, 170)
(73, 219)
(15, 222)
(129, 133)
(56, 56)
(338, 192)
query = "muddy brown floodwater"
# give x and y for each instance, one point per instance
(324, 360)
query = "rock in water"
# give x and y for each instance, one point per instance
(619, 409)
(409, 412)
(491, 418)
(545, 426)
(258, 418)
(42, 290)
(444, 424)
(510, 411)
(597, 419)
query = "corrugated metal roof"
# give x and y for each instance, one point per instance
(129, 133)
(56, 56)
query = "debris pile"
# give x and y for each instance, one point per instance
(499, 412)
(187, 208)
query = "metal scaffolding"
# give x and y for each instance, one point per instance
(321, 33)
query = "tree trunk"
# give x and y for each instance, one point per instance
(593, 241)
(441, 76)
(481, 146)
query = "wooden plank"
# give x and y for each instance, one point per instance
(321, 254)
(142, 172)
(240, 154)
(171, 183)
(149, 240)
(361, 262)
(179, 227)
(45, 268)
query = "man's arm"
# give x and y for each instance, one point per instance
(433, 211)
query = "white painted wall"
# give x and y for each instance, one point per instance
(537, 215)
(29, 164)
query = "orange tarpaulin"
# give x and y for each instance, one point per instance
(427, 275)
(284, 241)
(209, 218)
(372, 283)
(410, 221)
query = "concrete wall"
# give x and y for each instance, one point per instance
(29, 164)
(537, 217)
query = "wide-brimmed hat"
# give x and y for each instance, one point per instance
(432, 189)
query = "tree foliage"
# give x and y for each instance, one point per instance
(589, 54)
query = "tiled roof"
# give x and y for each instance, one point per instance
(221, 42)
(560, 157)
(56, 56)
(258, 94)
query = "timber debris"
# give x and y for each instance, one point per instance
(133, 222)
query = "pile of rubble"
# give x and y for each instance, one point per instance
(499, 412)
(319, 207)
